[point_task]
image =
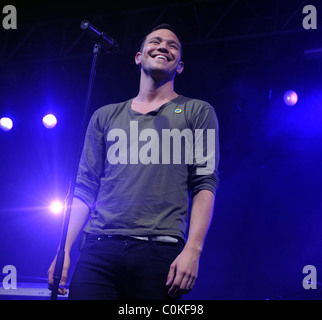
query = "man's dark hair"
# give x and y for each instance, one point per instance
(160, 26)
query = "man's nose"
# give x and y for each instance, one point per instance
(162, 48)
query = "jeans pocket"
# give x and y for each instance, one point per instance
(167, 251)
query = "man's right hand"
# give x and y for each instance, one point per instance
(78, 216)
(50, 273)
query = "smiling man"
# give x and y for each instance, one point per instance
(160, 55)
(136, 243)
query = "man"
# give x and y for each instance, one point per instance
(136, 186)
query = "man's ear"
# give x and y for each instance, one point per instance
(138, 58)
(180, 67)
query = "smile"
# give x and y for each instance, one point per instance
(160, 56)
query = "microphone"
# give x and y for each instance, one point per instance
(107, 42)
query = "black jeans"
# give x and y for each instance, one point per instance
(123, 268)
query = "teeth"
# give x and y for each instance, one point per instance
(161, 57)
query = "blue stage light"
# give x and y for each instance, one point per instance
(49, 121)
(56, 207)
(6, 124)
(290, 98)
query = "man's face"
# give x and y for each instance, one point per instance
(161, 54)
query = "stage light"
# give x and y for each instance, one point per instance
(56, 207)
(49, 121)
(6, 124)
(290, 97)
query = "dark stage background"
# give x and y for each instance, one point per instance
(240, 56)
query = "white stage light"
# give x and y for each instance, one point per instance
(49, 121)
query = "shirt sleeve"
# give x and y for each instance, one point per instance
(91, 164)
(203, 173)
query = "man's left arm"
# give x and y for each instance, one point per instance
(203, 185)
(184, 269)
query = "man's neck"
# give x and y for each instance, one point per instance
(152, 92)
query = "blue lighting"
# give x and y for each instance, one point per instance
(6, 124)
(49, 121)
(290, 98)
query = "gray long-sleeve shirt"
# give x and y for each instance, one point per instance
(137, 170)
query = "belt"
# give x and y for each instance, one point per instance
(157, 238)
(167, 239)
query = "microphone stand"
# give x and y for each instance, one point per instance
(69, 198)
